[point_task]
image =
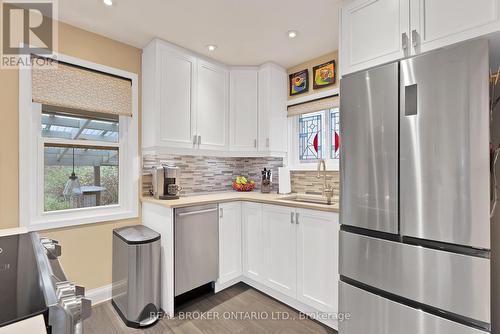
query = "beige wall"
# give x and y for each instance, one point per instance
(87, 248)
(309, 65)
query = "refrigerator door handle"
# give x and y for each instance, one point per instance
(410, 100)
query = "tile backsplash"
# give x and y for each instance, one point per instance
(199, 174)
(307, 181)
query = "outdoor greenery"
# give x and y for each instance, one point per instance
(56, 177)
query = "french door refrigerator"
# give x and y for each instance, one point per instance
(415, 186)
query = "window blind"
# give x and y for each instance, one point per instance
(315, 105)
(67, 86)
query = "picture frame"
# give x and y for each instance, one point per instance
(324, 75)
(299, 82)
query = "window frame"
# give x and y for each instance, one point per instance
(294, 161)
(32, 214)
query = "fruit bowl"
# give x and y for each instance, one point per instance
(243, 187)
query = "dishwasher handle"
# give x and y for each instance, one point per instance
(183, 214)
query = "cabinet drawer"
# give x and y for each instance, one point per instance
(451, 282)
(372, 314)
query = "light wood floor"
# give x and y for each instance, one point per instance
(239, 298)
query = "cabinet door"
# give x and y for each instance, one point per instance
(176, 98)
(272, 108)
(317, 259)
(373, 32)
(243, 109)
(253, 244)
(435, 24)
(280, 241)
(229, 241)
(212, 106)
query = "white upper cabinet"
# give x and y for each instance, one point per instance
(243, 108)
(272, 108)
(435, 24)
(191, 104)
(373, 32)
(230, 265)
(212, 106)
(176, 98)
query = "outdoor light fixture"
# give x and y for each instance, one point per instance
(72, 187)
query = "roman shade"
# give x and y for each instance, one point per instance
(68, 86)
(315, 105)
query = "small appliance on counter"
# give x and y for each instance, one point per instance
(266, 184)
(166, 181)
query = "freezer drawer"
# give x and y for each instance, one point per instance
(372, 314)
(444, 146)
(454, 283)
(369, 150)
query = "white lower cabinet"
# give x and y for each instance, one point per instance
(280, 249)
(253, 244)
(289, 253)
(317, 259)
(230, 265)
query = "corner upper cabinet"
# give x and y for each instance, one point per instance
(373, 32)
(435, 24)
(273, 83)
(168, 99)
(243, 106)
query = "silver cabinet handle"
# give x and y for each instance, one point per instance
(291, 217)
(183, 214)
(297, 218)
(267, 142)
(255, 143)
(414, 38)
(199, 140)
(221, 212)
(404, 41)
(195, 139)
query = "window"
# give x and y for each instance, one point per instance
(76, 166)
(315, 135)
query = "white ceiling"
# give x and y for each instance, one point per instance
(247, 32)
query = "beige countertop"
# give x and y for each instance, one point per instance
(233, 196)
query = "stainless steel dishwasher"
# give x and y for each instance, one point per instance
(196, 230)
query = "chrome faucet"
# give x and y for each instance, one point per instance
(327, 190)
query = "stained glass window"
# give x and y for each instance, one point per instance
(310, 136)
(334, 134)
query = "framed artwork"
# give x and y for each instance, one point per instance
(324, 75)
(299, 82)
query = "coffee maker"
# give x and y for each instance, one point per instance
(166, 181)
(266, 184)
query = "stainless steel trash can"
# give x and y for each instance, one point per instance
(136, 275)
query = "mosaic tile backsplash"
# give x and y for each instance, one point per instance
(307, 181)
(201, 174)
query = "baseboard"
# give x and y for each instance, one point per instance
(99, 295)
(221, 286)
(292, 302)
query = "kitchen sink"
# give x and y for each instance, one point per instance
(315, 199)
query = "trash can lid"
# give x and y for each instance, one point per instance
(136, 234)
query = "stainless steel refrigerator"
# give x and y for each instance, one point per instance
(415, 195)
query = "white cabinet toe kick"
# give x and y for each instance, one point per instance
(287, 253)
